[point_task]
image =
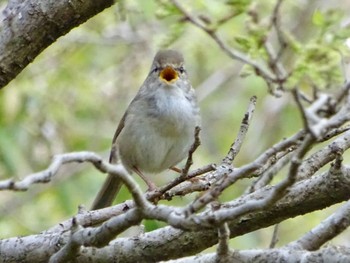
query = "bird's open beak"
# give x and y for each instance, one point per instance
(168, 75)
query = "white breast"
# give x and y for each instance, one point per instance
(157, 136)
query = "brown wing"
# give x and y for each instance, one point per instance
(113, 156)
(112, 184)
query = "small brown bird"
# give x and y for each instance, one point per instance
(157, 129)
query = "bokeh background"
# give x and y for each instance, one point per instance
(73, 95)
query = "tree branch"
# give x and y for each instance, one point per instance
(236, 146)
(31, 26)
(327, 254)
(303, 197)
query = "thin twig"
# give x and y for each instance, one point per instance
(266, 177)
(162, 192)
(274, 57)
(279, 189)
(193, 148)
(246, 171)
(275, 65)
(236, 146)
(207, 168)
(296, 96)
(275, 21)
(234, 54)
(323, 156)
(344, 92)
(335, 132)
(276, 193)
(317, 125)
(223, 249)
(226, 18)
(274, 238)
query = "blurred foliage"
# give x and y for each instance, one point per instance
(73, 95)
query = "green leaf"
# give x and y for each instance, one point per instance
(318, 18)
(243, 42)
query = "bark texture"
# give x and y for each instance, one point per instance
(28, 27)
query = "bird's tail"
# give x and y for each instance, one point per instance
(107, 193)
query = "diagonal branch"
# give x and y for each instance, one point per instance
(31, 26)
(193, 148)
(330, 227)
(236, 146)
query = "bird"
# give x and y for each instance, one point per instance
(157, 129)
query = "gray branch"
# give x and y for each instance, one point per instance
(309, 195)
(327, 254)
(28, 27)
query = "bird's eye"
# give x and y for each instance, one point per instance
(156, 69)
(181, 70)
